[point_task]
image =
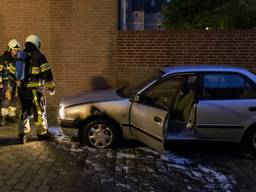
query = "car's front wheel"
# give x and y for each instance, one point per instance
(99, 133)
(251, 141)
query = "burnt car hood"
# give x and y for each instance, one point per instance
(91, 97)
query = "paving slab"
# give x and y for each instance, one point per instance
(62, 164)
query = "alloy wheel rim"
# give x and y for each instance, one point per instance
(100, 135)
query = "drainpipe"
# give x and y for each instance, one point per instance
(124, 15)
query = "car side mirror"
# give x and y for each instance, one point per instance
(135, 98)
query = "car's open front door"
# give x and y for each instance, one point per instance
(148, 115)
(147, 125)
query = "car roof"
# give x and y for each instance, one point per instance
(201, 68)
(187, 68)
(208, 68)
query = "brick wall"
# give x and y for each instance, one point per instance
(77, 38)
(139, 52)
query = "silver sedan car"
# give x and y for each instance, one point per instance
(206, 103)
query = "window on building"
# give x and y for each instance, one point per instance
(140, 14)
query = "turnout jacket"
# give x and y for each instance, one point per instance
(37, 70)
(7, 68)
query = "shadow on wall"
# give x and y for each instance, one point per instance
(98, 83)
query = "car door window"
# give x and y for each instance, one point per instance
(227, 86)
(162, 94)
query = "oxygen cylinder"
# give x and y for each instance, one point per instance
(20, 65)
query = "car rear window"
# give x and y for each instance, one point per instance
(227, 86)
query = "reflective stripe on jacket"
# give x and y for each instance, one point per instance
(37, 71)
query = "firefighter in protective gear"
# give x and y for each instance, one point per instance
(38, 75)
(8, 85)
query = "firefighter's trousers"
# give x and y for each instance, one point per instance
(9, 99)
(32, 99)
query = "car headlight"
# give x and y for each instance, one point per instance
(62, 112)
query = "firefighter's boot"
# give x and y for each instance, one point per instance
(24, 138)
(12, 114)
(3, 120)
(4, 113)
(45, 136)
(12, 119)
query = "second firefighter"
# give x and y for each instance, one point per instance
(8, 83)
(38, 75)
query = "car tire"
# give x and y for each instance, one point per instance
(250, 141)
(99, 133)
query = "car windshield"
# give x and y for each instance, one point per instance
(128, 91)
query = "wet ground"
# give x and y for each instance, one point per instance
(62, 164)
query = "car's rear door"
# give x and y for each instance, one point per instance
(148, 116)
(227, 105)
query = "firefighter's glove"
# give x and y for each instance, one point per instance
(18, 83)
(51, 91)
(8, 94)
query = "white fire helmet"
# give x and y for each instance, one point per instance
(35, 40)
(13, 44)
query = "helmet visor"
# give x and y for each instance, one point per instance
(16, 47)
